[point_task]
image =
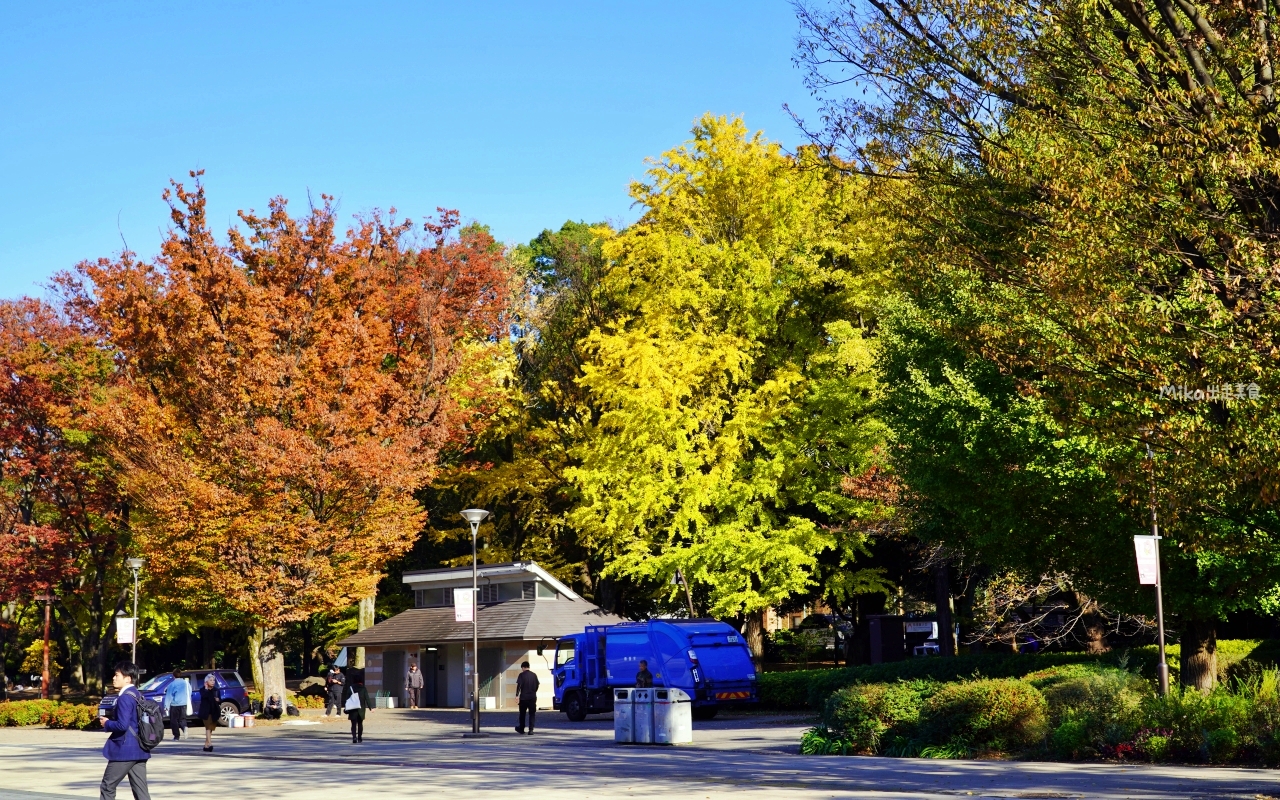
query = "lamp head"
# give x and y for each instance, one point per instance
(474, 515)
(135, 564)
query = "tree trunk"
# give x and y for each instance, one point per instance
(1198, 664)
(307, 625)
(942, 602)
(753, 632)
(267, 661)
(364, 619)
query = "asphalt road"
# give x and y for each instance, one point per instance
(422, 754)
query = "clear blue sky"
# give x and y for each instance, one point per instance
(520, 115)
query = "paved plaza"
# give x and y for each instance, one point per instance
(422, 755)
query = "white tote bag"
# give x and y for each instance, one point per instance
(353, 702)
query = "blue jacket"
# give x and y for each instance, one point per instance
(177, 693)
(123, 743)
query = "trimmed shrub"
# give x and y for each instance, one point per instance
(994, 714)
(73, 717)
(861, 716)
(48, 712)
(25, 712)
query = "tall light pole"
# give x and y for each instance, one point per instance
(475, 516)
(1162, 669)
(135, 564)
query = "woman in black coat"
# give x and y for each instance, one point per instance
(210, 709)
(356, 712)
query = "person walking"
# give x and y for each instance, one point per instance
(333, 684)
(355, 701)
(210, 710)
(527, 693)
(177, 699)
(644, 678)
(123, 749)
(413, 685)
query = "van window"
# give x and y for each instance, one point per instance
(232, 678)
(564, 652)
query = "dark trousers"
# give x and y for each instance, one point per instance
(357, 726)
(334, 701)
(531, 706)
(413, 696)
(116, 770)
(177, 720)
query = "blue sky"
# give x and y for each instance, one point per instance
(520, 115)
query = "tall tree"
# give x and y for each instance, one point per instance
(734, 386)
(290, 390)
(1099, 178)
(63, 516)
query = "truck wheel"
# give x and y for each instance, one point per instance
(574, 708)
(705, 712)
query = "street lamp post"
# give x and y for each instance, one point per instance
(135, 564)
(1162, 669)
(475, 516)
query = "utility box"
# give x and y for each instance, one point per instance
(887, 639)
(672, 717)
(623, 718)
(642, 716)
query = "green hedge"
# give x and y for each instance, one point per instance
(809, 689)
(50, 713)
(1071, 712)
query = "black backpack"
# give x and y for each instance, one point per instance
(150, 723)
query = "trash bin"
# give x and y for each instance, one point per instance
(642, 716)
(623, 720)
(672, 717)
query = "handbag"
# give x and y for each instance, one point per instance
(353, 702)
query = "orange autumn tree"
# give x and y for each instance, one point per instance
(289, 392)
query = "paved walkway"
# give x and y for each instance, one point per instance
(417, 754)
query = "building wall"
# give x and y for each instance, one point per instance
(515, 652)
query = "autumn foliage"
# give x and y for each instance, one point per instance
(286, 393)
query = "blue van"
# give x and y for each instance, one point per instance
(707, 659)
(233, 695)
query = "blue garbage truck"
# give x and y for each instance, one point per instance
(707, 659)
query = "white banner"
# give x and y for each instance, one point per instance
(124, 630)
(463, 605)
(1148, 565)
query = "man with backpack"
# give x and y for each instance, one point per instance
(135, 727)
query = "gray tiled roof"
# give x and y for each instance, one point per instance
(514, 619)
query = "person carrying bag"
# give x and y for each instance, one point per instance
(355, 701)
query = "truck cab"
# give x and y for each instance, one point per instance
(707, 659)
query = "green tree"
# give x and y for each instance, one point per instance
(1098, 178)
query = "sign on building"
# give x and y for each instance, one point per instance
(463, 605)
(1148, 564)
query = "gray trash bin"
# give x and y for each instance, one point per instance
(623, 719)
(642, 716)
(672, 717)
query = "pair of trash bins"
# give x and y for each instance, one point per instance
(652, 716)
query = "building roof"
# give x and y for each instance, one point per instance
(486, 573)
(513, 619)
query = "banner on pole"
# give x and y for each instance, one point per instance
(463, 605)
(1148, 564)
(125, 630)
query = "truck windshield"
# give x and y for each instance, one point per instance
(564, 652)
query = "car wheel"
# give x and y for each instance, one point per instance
(705, 712)
(227, 710)
(574, 708)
